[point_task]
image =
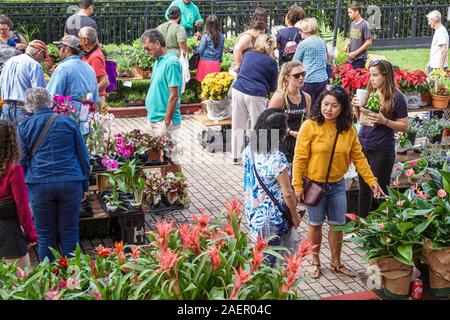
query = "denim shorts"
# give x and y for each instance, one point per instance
(333, 205)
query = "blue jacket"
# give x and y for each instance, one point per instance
(62, 156)
(208, 51)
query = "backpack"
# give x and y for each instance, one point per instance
(290, 48)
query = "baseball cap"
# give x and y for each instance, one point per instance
(40, 45)
(70, 41)
(174, 12)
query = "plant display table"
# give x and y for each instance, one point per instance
(214, 140)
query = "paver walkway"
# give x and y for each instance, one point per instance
(212, 180)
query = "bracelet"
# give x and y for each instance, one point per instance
(387, 120)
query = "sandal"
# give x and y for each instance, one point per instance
(315, 273)
(344, 270)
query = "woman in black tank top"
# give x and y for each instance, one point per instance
(295, 103)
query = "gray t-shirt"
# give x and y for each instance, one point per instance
(359, 33)
(75, 22)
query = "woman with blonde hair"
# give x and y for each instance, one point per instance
(295, 103)
(256, 79)
(378, 142)
(312, 53)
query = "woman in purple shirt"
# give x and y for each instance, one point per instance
(378, 142)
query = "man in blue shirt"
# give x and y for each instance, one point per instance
(19, 74)
(190, 15)
(163, 97)
(74, 78)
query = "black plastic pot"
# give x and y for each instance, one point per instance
(437, 139)
(124, 201)
(412, 137)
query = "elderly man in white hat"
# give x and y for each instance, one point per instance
(19, 74)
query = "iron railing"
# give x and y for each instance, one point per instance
(400, 25)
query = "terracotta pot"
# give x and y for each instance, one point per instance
(154, 155)
(426, 97)
(445, 132)
(440, 102)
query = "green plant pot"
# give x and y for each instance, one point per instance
(442, 292)
(394, 295)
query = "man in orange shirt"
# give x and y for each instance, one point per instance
(96, 59)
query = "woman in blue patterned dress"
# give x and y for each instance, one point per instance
(264, 218)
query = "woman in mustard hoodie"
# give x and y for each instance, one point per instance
(331, 115)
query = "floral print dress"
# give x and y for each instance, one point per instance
(263, 216)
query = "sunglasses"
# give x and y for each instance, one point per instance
(376, 63)
(338, 89)
(298, 75)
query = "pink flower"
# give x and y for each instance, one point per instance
(381, 225)
(400, 203)
(442, 193)
(110, 164)
(352, 216)
(51, 295)
(97, 295)
(409, 172)
(423, 195)
(426, 216)
(73, 284)
(413, 164)
(215, 257)
(167, 260)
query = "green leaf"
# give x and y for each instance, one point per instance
(190, 287)
(421, 227)
(403, 260)
(406, 251)
(405, 226)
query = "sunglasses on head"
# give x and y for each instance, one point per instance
(338, 89)
(376, 63)
(298, 75)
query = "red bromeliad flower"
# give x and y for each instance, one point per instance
(241, 278)
(103, 252)
(164, 229)
(93, 268)
(228, 229)
(203, 221)
(119, 247)
(135, 253)
(217, 235)
(190, 236)
(261, 243)
(294, 263)
(215, 257)
(63, 262)
(234, 208)
(352, 216)
(167, 260)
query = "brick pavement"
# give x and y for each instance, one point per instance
(212, 179)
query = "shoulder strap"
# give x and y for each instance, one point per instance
(331, 159)
(43, 133)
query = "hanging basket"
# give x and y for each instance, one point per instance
(218, 110)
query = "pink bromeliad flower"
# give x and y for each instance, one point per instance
(442, 193)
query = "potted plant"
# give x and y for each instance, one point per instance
(131, 180)
(373, 106)
(415, 169)
(432, 129)
(123, 66)
(436, 156)
(215, 87)
(412, 83)
(440, 89)
(391, 237)
(143, 61)
(157, 146)
(112, 201)
(154, 189)
(176, 187)
(350, 79)
(436, 248)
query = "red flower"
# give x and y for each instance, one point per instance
(103, 252)
(241, 278)
(294, 262)
(135, 252)
(261, 244)
(217, 235)
(190, 236)
(234, 208)
(63, 262)
(164, 229)
(93, 268)
(215, 257)
(228, 229)
(203, 221)
(167, 260)
(119, 247)
(352, 216)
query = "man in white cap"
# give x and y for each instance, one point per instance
(19, 74)
(73, 77)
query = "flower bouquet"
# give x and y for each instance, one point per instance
(215, 87)
(373, 106)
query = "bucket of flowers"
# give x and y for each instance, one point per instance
(415, 169)
(373, 106)
(440, 89)
(215, 87)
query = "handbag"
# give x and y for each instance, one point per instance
(284, 209)
(193, 60)
(313, 192)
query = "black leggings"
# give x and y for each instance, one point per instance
(381, 162)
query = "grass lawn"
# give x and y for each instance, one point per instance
(406, 58)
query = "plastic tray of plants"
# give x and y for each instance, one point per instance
(124, 207)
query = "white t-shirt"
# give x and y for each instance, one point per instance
(440, 37)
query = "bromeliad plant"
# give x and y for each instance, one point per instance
(205, 260)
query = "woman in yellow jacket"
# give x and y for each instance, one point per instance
(331, 115)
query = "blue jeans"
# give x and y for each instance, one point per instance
(333, 205)
(56, 209)
(13, 113)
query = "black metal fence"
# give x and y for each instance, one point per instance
(393, 25)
